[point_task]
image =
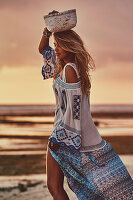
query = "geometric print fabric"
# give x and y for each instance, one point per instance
(64, 137)
(90, 181)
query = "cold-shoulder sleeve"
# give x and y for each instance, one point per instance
(49, 67)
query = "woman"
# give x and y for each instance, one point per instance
(75, 149)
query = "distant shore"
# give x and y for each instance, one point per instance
(115, 111)
(24, 139)
(26, 161)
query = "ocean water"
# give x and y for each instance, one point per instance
(23, 133)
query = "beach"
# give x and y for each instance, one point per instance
(24, 132)
(32, 187)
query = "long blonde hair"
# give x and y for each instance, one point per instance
(70, 41)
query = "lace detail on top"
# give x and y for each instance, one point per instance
(49, 67)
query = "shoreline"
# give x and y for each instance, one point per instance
(27, 161)
(29, 187)
(103, 110)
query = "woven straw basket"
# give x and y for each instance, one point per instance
(61, 21)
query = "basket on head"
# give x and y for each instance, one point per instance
(61, 21)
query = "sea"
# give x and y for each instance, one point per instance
(23, 126)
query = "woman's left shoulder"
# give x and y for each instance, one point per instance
(71, 75)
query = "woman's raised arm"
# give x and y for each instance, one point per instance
(44, 43)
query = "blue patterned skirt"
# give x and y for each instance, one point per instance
(95, 175)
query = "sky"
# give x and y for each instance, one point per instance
(106, 29)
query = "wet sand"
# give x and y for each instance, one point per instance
(32, 187)
(38, 191)
(22, 160)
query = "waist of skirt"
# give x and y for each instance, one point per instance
(54, 146)
(93, 147)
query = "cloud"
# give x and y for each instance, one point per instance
(21, 4)
(105, 26)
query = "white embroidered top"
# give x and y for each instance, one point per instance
(73, 124)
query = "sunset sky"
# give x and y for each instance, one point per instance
(106, 29)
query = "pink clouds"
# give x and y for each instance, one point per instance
(105, 26)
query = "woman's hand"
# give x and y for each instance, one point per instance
(44, 43)
(54, 11)
(47, 33)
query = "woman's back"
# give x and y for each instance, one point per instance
(89, 133)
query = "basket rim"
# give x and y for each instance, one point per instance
(60, 13)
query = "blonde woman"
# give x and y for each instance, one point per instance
(75, 148)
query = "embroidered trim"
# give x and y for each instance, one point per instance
(63, 144)
(76, 106)
(93, 147)
(70, 128)
(67, 85)
(49, 66)
(66, 137)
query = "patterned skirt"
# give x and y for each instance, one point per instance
(95, 175)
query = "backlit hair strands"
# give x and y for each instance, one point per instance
(70, 41)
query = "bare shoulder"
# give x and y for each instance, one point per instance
(70, 73)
